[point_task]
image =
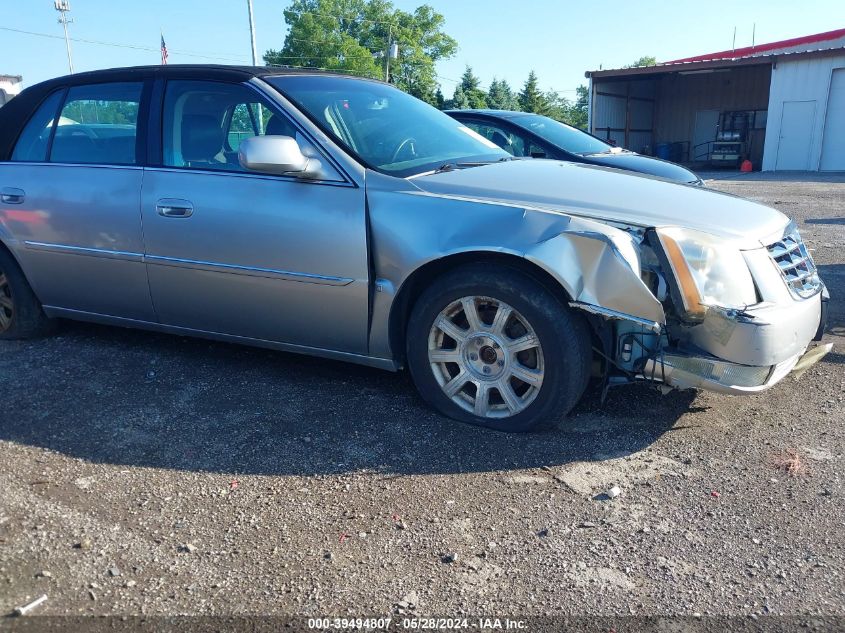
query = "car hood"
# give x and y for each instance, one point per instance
(643, 164)
(610, 195)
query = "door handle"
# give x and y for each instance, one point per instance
(174, 208)
(10, 195)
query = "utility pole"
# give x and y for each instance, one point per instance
(63, 7)
(252, 33)
(392, 52)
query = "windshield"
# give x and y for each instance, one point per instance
(564, 136)
(385, 128)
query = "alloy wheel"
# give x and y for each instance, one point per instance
(486, 357)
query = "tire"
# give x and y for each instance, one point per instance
(21, 315)
(492, 357)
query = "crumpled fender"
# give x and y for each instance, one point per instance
(595, 263)
(599, 266)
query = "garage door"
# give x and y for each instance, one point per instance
(833, 146)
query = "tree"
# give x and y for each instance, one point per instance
(471, 87)
(500, 96)
(531, 99)
(353, 36)
(556, 105)
(578, 111)
(645, 60)
(459, 100)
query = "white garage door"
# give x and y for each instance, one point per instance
(833, 146)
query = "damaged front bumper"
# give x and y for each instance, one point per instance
(745, 353)
(682, 371)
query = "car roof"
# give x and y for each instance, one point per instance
(170, 71)
(15, 114)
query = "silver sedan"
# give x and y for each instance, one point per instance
(343, 218)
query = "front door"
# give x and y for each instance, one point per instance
(263, 257)
(796, 135)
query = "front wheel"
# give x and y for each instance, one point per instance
(491, 346)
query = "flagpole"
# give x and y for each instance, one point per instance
(252, 33)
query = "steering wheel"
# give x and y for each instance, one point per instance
(408, 143)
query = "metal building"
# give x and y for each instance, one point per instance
(10, 85)
(780, 105)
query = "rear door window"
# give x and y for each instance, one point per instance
(98, 124)
(35, 138)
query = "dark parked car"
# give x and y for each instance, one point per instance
(537, 136)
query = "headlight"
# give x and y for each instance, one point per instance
(709, 271)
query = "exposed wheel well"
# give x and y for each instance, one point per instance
(8, 250)
(421, 278)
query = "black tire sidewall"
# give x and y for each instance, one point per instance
(28, 318)
(564, 338)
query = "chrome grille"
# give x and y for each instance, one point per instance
(795, 264)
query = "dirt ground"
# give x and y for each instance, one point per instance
(158, 475)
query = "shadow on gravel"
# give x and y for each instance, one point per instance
(117, 396)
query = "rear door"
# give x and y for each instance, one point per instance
(271, 258)
(71, 201)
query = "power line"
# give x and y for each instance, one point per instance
(118, 45)
(239, 60)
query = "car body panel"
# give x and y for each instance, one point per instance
(254, 259)
(609, 195)
(411, 228)
(78, 231)
(631, 161)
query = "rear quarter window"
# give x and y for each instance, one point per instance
(33, 142)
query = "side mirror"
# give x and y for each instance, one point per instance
(277, 155)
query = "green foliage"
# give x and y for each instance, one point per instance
(578, 111)
(459, 101)
(470, 86)
(500, 96)
(645, 60)
(352, 36)
(439, 99)
(110, 112)
(531, 98)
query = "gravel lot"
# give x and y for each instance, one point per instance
(151, 474)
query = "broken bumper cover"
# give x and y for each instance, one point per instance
(682, 371)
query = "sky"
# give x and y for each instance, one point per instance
(498, 38)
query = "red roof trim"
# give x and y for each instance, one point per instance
(750, 50)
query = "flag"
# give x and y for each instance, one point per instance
(163, 51)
